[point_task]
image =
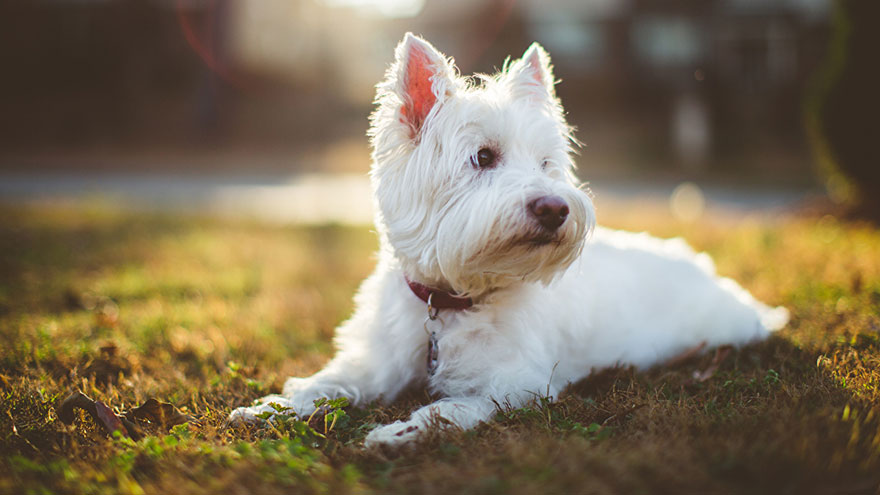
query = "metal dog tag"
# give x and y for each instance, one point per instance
(433, 352)
(433, 346)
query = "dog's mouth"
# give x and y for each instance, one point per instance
(542, 239)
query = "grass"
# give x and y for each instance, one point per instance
(209, 315)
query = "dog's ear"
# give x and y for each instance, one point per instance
(532, 75)
(422, 78)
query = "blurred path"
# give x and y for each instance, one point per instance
(345, 199)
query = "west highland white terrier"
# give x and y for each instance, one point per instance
(493, 285)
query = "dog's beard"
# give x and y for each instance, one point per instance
(511, 247)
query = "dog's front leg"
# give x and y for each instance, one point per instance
(379, 353)
(359, 378)
(462, 412)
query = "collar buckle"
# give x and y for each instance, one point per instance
(432, 311)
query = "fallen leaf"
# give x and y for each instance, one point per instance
(720, 355)
(99, 412)
(111, 421)
(687, 355)
(160, 413)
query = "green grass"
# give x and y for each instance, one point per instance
(209, 315)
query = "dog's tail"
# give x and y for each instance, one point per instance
(773, 319)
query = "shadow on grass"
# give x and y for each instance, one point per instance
(768, 421)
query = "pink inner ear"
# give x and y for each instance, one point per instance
(534, 63)
(420, 97)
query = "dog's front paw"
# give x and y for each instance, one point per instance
(393, 435)
(257, 412)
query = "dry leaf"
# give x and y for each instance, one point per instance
(99, 411)
(720, 355)
(687, 355)
(160, 413)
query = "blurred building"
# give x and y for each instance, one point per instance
(699, 85)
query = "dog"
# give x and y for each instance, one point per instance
(493, 284)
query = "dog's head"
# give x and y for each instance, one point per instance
(473, 176)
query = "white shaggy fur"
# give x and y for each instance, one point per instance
(544, 315)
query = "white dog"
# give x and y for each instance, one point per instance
(492, 285)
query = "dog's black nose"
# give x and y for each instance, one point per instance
(551, 211)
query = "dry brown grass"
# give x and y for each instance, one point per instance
(209, 315)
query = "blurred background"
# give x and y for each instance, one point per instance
(262, 105)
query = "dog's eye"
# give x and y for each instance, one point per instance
(484, 158)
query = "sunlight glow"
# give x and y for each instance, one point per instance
(687, 202)
(385, 8)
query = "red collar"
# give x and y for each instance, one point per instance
(440, 299)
